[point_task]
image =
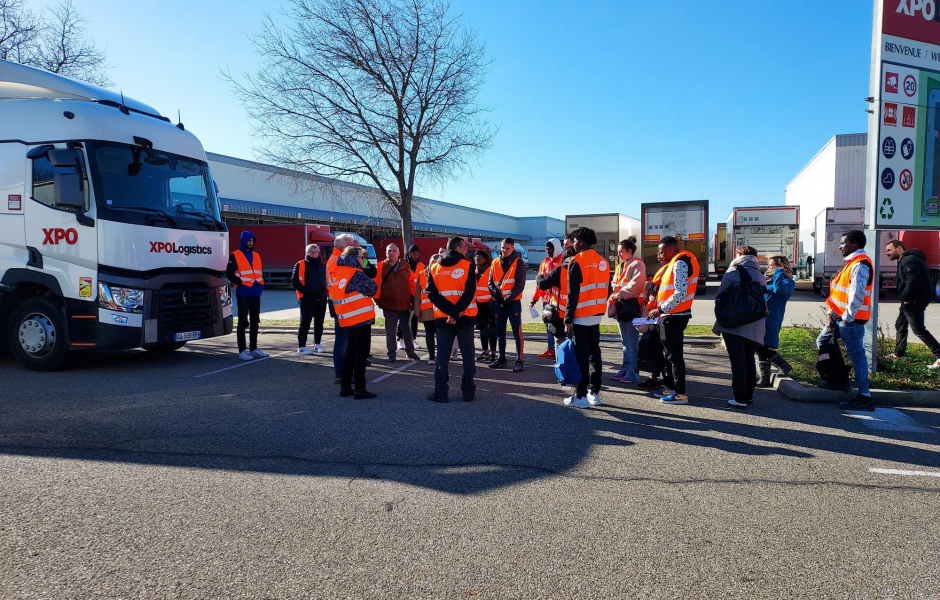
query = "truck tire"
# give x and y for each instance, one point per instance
(37, 335)
(164, 348)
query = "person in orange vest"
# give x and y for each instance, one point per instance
(355, 311)
(588, 291)
(674, 310)
(629, 284)
(484, 307)
(340, 243)
(414, 262)
(451, 289)
(425, 311)
(309, 281)
(507, 282)
(552, 259)
(849, 305)
(244, 271)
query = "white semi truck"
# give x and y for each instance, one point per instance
(771, 230)
(110, 232)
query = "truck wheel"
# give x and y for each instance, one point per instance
(164, 348)
(37, 335)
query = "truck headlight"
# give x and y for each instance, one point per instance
(120, 298)
(225, 294)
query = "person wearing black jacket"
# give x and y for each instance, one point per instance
(550, 280)
(311, 295)
(915, 287)
(454, 325)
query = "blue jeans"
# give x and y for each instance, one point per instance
(853, 336)
(551, 338)
(339, 347)
(630, 341)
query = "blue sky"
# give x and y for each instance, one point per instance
(600, 105)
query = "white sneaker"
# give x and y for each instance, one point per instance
(417, 344)
(305, 351)
(935, 365)
(258, 353)
(432, 362)
(594, 399)
(318, 348)
(401, 344)
(574, 402)
(245, 355)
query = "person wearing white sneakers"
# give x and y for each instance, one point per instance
(588, 291)
(245, 272)
(309, 281)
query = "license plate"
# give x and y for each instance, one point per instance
(189, 335)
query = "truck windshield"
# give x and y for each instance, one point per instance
(135, 185)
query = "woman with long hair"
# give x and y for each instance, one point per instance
(484, 306)
(780, 286)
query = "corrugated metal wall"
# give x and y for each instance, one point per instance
(850, 170)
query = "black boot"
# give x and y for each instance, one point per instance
(764, 368)
(781, 364)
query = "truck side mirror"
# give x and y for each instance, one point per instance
(69, 191)
(63, 158)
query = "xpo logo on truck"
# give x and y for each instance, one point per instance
(57, 234)
(172, 248)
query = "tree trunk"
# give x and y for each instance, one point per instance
(407, 225)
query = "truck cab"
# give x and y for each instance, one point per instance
(110, 231)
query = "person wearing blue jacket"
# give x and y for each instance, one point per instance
(245, 272)
(780, 286)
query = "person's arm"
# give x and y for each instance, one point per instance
(231, 269)
(636, 282)
(469, 291)
(549, 280)
(909, 275)
(295, 278)
(680, 275)
(574, 289)
(859, 277)
(371, 271)
(519, 285)
(362, 283)
(440, 302)
(495, 292)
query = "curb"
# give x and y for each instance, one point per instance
(798, 392)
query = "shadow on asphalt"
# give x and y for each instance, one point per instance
(286, 418)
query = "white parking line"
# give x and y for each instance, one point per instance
(906, 473)
(399, 369)
(244, 364)
(888, 419)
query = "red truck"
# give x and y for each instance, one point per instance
(282, 245)
(427, 246)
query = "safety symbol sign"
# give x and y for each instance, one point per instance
(888, 147)
(910, 86)
(891, 114)
(910, 114)
(906, 180)
(907, 148)
(887, 179)
(891, 83)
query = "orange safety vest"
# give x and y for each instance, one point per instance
(301, 271)
(423, 280)
(559, 295)
(839, 299)
(508, 278)
(451, 282)
(248, 272)
(657, 280)
(544, 269)
(483, 291)
(351, 308)
(416, 275)
(331, 271)
(667, 286)
(595, 278)
(620, 280)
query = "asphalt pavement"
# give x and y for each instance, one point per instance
(198, 476)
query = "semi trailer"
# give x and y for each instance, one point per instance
(110, 232)
(771, 230)
(687, 221)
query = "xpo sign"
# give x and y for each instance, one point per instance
(905, 92)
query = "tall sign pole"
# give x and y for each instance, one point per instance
(903, 162)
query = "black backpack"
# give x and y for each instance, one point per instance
(830, 364)
(740, 304)
(650, 353)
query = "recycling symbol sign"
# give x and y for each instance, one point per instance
(887, 210)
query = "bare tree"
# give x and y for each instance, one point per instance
(19, 30)
(369, 91)
(56, 42)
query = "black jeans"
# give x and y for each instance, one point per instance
(912, 315)
(430, 334)
(249, 311)
(743, 368)
(358, 345)
(513, 314)
(315, 309)
(414, 327)
(484, 316)
(445, 341)
(672, 335)
(587, 347)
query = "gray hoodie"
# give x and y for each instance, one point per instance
(752, 331)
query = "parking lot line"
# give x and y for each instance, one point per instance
(906, 473)
(888, 419)
(244, 364)
(399, 369)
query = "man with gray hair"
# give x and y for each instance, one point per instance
(309, 281)
(395, 297)
(340, 243)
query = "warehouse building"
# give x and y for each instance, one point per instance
(252, 193)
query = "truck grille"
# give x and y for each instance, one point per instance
(184, 308)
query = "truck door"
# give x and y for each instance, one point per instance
(67, 248)
(12, 192)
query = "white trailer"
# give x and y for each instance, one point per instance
(771, 230)
(110, 233)
(610, 229)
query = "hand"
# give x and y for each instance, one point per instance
(653, 314)
(451, 321)
(569, 328)
(532, 304)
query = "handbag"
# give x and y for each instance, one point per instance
(566, 364)
(627, 310)
(740, 304)
(830, 364)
